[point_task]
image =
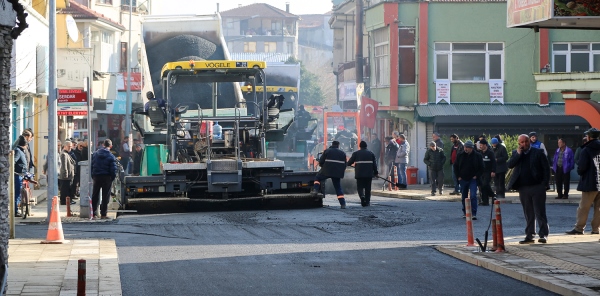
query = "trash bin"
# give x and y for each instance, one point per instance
(411, 175)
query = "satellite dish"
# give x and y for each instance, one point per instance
(72, 28)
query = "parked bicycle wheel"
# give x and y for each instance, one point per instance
(24, 202)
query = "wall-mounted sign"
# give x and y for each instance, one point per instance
(442, 91)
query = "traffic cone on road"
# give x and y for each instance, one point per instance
(55, 232)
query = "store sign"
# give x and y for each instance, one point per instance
(522, 12)
(75, 65)
(136, 81)
(72, 102)
(347, 91)
(72, 96)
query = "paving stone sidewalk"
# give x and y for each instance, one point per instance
(52, 269)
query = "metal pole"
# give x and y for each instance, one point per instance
(11, 193)
(128, 99)
(52, 116)
(90, 133)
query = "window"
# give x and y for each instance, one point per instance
(104, 1)
(406, 55)
(381, 71)
(270, 46)
(467, 62)
(576, 57)
(290, 47)
(249, 46)
(107, 37)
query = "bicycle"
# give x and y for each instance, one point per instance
(26, 195)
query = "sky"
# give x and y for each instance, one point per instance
(209, 6)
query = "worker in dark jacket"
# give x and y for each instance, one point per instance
(588, 168)
(365, 168)
(104, 171)
(333, 165)
(489, 172)
(501, 167)
(468, 168)
(435, 159)
(530, 176)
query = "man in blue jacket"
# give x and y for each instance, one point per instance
(104, 171)
(588, 168)
(333, 165)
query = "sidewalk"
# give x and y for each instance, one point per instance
(423, 192)
(52, 269)
(567, 264)
(40, 211)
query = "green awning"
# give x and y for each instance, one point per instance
(513, 113)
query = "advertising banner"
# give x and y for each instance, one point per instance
(497, 90)
(442, 91)
(522, 12)
(347, 91)
(576, 8)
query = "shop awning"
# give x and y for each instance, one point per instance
(515, 114)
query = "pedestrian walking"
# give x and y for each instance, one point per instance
(104, 172)
(67, 173)
(564, 162)
(402, 160)
(469, 167)
(531, 174)
(365, 168)
(435, 159)
(501, 167)
(21, 168)
(588, 168)
(457, 148)
(489, 172)
(333, 165)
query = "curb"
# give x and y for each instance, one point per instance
(546, 282)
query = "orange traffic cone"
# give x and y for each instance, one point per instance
(55, 231)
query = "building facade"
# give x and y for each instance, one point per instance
(433, 70)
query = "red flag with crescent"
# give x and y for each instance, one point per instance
(368, 112)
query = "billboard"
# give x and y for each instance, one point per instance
(576, 8)
(74, 65)
(553, 13)
(522, 12)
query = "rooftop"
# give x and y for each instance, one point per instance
(260, 9)
(81, 12)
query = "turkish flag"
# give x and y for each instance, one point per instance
(368, 112)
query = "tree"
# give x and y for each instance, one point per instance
(310, 90)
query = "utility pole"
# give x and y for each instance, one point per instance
(128, 99)
(52, 116)
(359, 41)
